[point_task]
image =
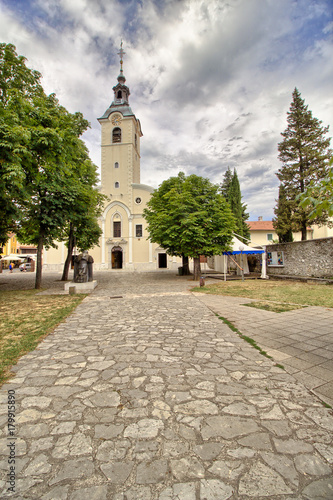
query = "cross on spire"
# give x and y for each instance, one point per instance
(121, 54)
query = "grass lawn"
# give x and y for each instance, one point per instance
(25, 319)
(282, 292)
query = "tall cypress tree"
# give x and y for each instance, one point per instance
(230, 189)
(304, 153)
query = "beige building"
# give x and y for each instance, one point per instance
(263, 233)
(124, 243)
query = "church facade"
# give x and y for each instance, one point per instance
(124, 243)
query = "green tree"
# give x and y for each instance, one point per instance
(18, 86)
(188, 216)
(282, 222)
(41, 157)
(304, 153)
(319, 197)
(56, 152)
(226, 183)
(230, 189)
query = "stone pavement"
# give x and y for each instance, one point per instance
(300, 340)
(151, 396)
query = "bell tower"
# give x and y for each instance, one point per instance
(121, 133)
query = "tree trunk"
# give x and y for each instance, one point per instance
(304, 230)
(69, 253)
(197, 268)
(185, 264)
(38, 281)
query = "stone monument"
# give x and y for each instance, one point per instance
(83, 267)
(83, 274)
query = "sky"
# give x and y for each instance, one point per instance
(211, 81)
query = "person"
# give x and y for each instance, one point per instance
(10, 267)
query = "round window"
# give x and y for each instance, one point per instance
(138, 200)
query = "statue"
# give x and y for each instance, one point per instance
(83, 267)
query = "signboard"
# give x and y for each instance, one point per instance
(275, 259)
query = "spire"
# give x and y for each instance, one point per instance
(121, 53)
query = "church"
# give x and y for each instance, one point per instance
(124, 243)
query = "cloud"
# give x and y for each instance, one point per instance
(211, 82)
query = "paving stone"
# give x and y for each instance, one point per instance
(112, 450)
(291, 446)
(325, 451)
(227, 469)
(258, 441)
(92, 493)
(262, 481)
(312, 465)
(57, 493)
(283, 465)
(134, 493)
(39, 465)
(212, 489)
(179, 491)
(202, 407)
(146, 450)
(36, 401)
(34, 431)
(187, 468)
(108, 431)
(319, 490)
(208, 451)
(144, 429)
(80, 445)
(228, 427)
(151, 472)
(117, 472)
(73, 469)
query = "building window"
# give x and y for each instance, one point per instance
(136, 142)
(269, 236)
(138, 230)
(116, 184)
(116, 165)
(116, 135)
(119, 94)
(116, 229)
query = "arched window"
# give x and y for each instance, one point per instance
(116, 134)
(119, 94)
(116, 229)
(116, 184)
(116, 165)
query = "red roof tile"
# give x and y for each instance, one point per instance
(260, 225)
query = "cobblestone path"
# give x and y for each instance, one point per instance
(150, 396)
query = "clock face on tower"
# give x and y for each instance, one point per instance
(116, 119)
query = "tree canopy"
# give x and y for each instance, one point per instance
(319, 197)
(304, 153)
(187, 216)
(44, 164)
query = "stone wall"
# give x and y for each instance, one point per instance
(310, 258)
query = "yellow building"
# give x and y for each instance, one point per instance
(124, 243)
(11, 246)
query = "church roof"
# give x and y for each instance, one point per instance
(124, 109)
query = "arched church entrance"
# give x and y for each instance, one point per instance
(117, 258)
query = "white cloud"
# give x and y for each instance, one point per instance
(211, 82)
